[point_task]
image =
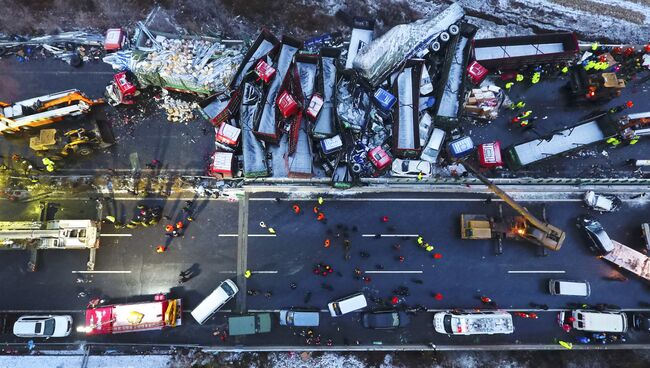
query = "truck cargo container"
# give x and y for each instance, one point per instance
(511, 53)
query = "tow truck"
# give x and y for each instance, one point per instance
(133, 317)
(50, 234)
(81, 141)
(525, 227)
(43, 110)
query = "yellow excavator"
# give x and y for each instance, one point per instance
(523, 227)
(81, 141)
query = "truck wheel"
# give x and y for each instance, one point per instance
(444, 36)
(84, 150)
(9, 134)
(454, 29)
(435, 46)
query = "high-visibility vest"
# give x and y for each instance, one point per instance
(634, 139)
(519, 78)
(565, 70)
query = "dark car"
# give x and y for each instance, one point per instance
(641, 322)
(595, 232)
(384, 319)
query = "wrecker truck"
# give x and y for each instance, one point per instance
(525, 227)
(43, 110)
(50, 234)
(133, 317)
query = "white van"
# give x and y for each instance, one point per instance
(220, 296)
(348, 304)
(473, 323)
(569, 287)
(431, 151)
(594, 321)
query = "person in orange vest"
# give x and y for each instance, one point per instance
(179, 225)
(296, 209)
(320, 217)
(169, 228)
(160, 249)
(327, 243)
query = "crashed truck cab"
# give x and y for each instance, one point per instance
(122, 90)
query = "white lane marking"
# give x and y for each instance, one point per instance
(115, 235)
(390, 235)
(419, 200)
(251, 235)
(101, 271)
(278, 310)
(392, 271)
(537, 271)
(233, 272)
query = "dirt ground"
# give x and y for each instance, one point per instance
(233, 18)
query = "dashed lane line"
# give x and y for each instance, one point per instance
(390, 235)
(251, 235)
(537, 271)
(392, 272)
(115, 235)
(253, 272)
(102, 272)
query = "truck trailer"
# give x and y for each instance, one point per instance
(512, 53)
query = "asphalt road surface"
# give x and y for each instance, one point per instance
(144, 133)
(128, 268)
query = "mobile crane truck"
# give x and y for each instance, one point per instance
(43, 110)
(523, 227)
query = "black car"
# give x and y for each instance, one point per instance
(384, 319)
(595, 232)
(641, 322)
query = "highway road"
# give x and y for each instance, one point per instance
(129, 269)
(144, 133)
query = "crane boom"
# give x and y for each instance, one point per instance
(552, 236)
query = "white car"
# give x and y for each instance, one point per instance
(410, 168)
(43, 326)
(601, 202)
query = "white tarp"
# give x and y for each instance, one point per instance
(563, 141)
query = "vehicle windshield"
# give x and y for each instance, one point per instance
(227, 289)
(447, 323)
(429, 152)
(49, 327)
(594, 227)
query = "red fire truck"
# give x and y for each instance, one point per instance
(121, 318)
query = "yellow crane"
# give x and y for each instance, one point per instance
(525, 226)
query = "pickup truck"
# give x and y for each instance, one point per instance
(250, 324)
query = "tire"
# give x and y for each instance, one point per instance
(12, 134)
(84, 150)
(75, 61)
(435, 46)
(454, 29)
(444, 37)
(356, 168)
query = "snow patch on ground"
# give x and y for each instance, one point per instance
(59, 361)
(326, 360)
